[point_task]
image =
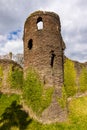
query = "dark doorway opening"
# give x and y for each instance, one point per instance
(30, 44)
(52, 58)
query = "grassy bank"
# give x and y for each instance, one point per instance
(77, 119)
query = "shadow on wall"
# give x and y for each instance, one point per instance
(14, 116)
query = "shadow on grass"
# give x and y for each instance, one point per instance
(14, 115)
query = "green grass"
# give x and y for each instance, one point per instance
(6, 100)
(78, 112)
(77, 119)
(39, 99)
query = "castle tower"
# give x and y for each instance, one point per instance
(43, 51)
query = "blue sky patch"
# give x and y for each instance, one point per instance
(14, 35)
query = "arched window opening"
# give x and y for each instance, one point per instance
(39, 23)
(30, 44)
(52, 58)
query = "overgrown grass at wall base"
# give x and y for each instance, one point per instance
(15, 77)
(36, 96)
(6, 100)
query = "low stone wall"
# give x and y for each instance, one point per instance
(5, 67)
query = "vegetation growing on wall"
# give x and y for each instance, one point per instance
(15, 77)
(1, 74)
(12, 115)
(70, 78)
(83, 80)
(36, 96)
(6, 100)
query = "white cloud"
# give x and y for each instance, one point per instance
(15, 46)
(73, 16)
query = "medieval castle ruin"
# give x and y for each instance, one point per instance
(44, 52)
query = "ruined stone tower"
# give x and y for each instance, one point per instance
(43, 51)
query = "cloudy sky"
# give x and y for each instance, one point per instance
(73, 16)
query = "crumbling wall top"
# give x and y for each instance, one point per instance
(44, 12)
(38, 13)
(7, 62)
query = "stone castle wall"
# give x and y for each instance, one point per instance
(46, 53)
(5, 67)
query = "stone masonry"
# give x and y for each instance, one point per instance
(43, 51)
(5, 65)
